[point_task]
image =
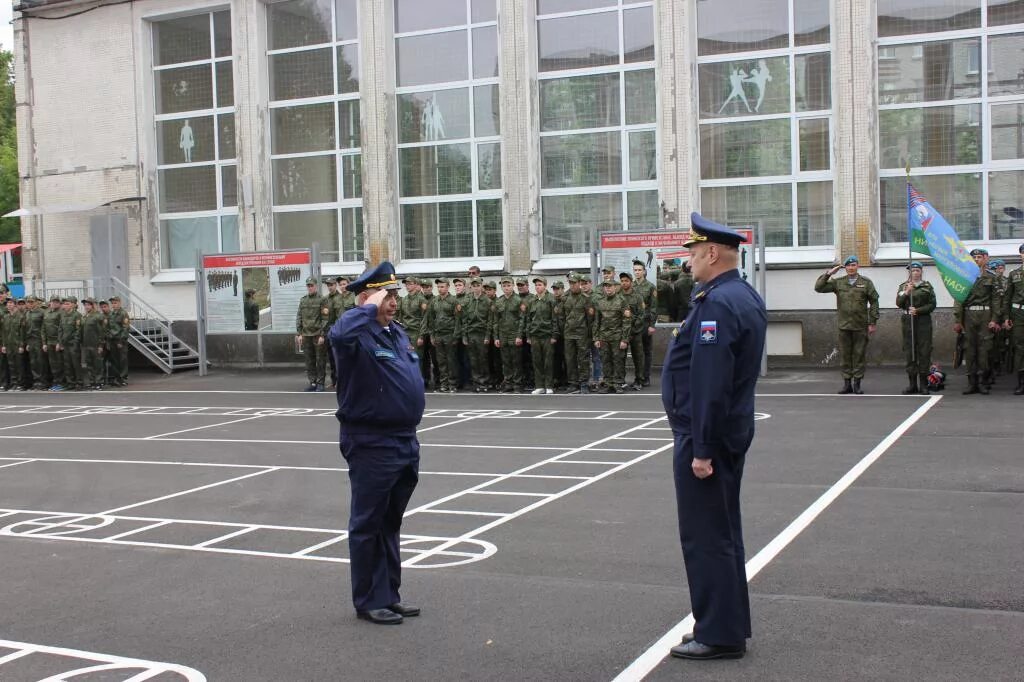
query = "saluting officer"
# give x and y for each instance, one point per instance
(976, 317)
(916, 298)
(309, 331)
(1013, 320)
(380, 403)
(708, 383)
(857, 315)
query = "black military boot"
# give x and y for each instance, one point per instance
(923, 382)
(1020, 383)
(847, 388)
(856, 387)
(988, 378)
(912, 388)
(972, 385)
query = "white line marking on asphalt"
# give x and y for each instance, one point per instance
(501, 492)
(14, 464)
(320, 545)
(585, 461)
(271, 442)
(606, 415)
(452, 423)
(539, 503)
(456, 512)
(45, 421)
(141, 529)
(187, 492)
(228, 536)
(106, 663)
(649, 660)
(199, 428)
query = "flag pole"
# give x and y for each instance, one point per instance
(910, 294)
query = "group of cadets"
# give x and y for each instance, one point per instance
(57, 348)
(532, 341)
(313, 319)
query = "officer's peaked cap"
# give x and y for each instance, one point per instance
(380, 277)
(704, 230)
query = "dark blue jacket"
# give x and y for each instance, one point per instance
(712, 365)
(380, 387)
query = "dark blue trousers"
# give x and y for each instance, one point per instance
(712, 540)
(383, 472)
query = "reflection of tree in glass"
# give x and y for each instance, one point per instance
(257, 279)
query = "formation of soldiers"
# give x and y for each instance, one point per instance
(536, 342)
(989, 324)
(58, 348)
(313, 319)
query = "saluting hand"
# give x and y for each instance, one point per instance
(376, 297)
(702, 468)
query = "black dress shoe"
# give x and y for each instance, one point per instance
(694, 650)
(380, 616)
(407, 610)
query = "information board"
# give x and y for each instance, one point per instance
(257, 291)
(663, 249)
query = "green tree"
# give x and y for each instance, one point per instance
(10, 228)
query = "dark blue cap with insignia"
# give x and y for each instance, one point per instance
(380, 277)
(996, 262)
(979, 252)
(704, 230)
(850, 260)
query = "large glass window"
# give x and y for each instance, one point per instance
(315, 141)
(598, 108)
(195, 136)
(951, 106)
(449, 128)
(764, 74)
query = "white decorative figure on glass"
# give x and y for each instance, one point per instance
(186, 140)
(759, 76)
(736, 79)
(432, 120)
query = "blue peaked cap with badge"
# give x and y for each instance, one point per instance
(704, 230)
(380, 277)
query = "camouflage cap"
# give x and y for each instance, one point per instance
(608, 269)
(458, 279)
(626, 275)
(540, 278)
(585, 278)
(103, 302)
(331, 281)
(115, 298)
(55, 297)
(442, 280)
(341, 278)
(575, 277)
(557, 285)
(426, 282)
(69, 299)
(490, 285)
(89, 300)
(20, 301)
(476, 280)
(522, 282)
(507, 280)
(311, 280)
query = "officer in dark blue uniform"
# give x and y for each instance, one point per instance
(708, 381)
(380, 403)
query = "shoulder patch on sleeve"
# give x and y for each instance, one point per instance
(709, 331)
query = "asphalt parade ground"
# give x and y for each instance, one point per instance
(194, 528)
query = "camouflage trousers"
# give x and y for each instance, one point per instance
(636, 350)
(853, 348)
(511, 362)
(478, 367)
(977, 341)
(577, 361)
(613, 361)
(315, 355)
(95, 365)
(71, 357)
(543, 352)
(34, 349)
(918, 351)
(1017, 338)
(447, 357)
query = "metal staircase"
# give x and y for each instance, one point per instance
(150, 333)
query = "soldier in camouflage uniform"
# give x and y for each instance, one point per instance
(1013, 320)
(309, 331)
(537, 328)
(335, 304)
(445, 334)
(431, 373)
(916, 298)
(523, 288)
(997, 267)
(649, 293)
(120, 324)
(70, 343)
(977, 318)
(575, 320)
(412, 315)
(475, 318)
(493, 352)
(587, 287)
(505, 323)
(94, 336)
(638, 313)
(682, 292)
(51, 337)
(558, 357)
(34, 343)
(348, 299)
(12, 346)
(857, 313)
(612, 329)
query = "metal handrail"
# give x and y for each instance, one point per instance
(149, 312)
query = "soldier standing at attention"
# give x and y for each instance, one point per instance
(34, 343)
(649, 293)
(613, 327)
(118, 331)
(575, 321)
(70, 343)
(412, 315)
(976, 318)
(463, 375)
(476, 333)
(523, 287)
(505, 332)
(638, 314)
(558, 357)
(682, 291)
(251, 311)
(51, 337)
(537, 328)
(493, 353)
(857, 313)
(94, 335)
(12, 345)
(997, 267)
(445, 334)
(916, 298)
(1013, 320)
(335, 304)
(587, 287)
(348, 300)
(309, 331)
(431, 372)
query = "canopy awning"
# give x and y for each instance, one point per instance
(26, 211)
(4, 248)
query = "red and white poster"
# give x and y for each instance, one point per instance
(254, 291)
(662, 248)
